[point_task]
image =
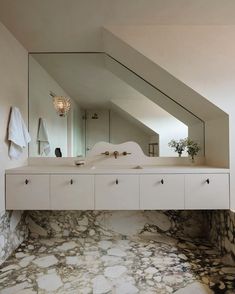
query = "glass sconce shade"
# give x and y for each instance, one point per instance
(62, 105)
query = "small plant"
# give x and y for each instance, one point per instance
(187, 144)
(192, 148)
(178, 146)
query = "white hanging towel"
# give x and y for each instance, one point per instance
(17, 133)
(43, 141)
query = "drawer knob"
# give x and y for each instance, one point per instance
(208, 181)
(116, 181)
(26, 182)
(162, 181)
(71, 182)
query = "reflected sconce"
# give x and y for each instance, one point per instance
(62, 104)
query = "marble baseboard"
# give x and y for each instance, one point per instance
(13, 231)
(185, 224)
(222, 232)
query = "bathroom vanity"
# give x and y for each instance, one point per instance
(148, 174)
(116, 184)
(60, 188)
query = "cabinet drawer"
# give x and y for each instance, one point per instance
(27, 192)
(207, 191)
(162, 192)
(72, 192)
(117, 192)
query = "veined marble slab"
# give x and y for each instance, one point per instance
(116, 264)
(13, 231)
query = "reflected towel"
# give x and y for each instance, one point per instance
(17, 133)
(43, 141)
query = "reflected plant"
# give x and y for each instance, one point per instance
(187, 144)
(178, 146)
(192, 148)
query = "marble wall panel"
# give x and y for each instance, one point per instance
(13, 231)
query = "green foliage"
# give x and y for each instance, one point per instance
(187, 144)
(178, 146)
(192, 148)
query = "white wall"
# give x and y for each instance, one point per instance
(122, 130)
(13, 92)
(41, 105)
(115, 127)
(160, 101)
(156, 119)
(203, 58)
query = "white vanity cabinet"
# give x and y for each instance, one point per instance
(117, 192)
(207, 191)
(162, 191)
(27, 192)
(87, 189)
(70, 192)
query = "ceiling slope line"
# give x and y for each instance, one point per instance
(129, 69)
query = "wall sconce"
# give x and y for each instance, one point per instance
(62, 104)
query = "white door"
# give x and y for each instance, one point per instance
(116, 192)
(72, 192)
(207, 191)
(27, 192)
(162, 191)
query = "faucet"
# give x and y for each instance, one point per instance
(115, 153)
(125, 153)
(105, 153)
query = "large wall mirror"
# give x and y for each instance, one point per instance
(109, 103)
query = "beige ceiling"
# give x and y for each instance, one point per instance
(74, 25)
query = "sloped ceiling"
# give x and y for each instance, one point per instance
(123, 113)
(203, 57)
(74, 25)
(126, 52)
(151, 115)
(85, 78)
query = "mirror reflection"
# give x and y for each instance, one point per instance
(79, 99)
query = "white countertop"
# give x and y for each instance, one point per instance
(147, 169)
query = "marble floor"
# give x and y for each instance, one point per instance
(120, 265)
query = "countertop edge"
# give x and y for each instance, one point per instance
(49, 170)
